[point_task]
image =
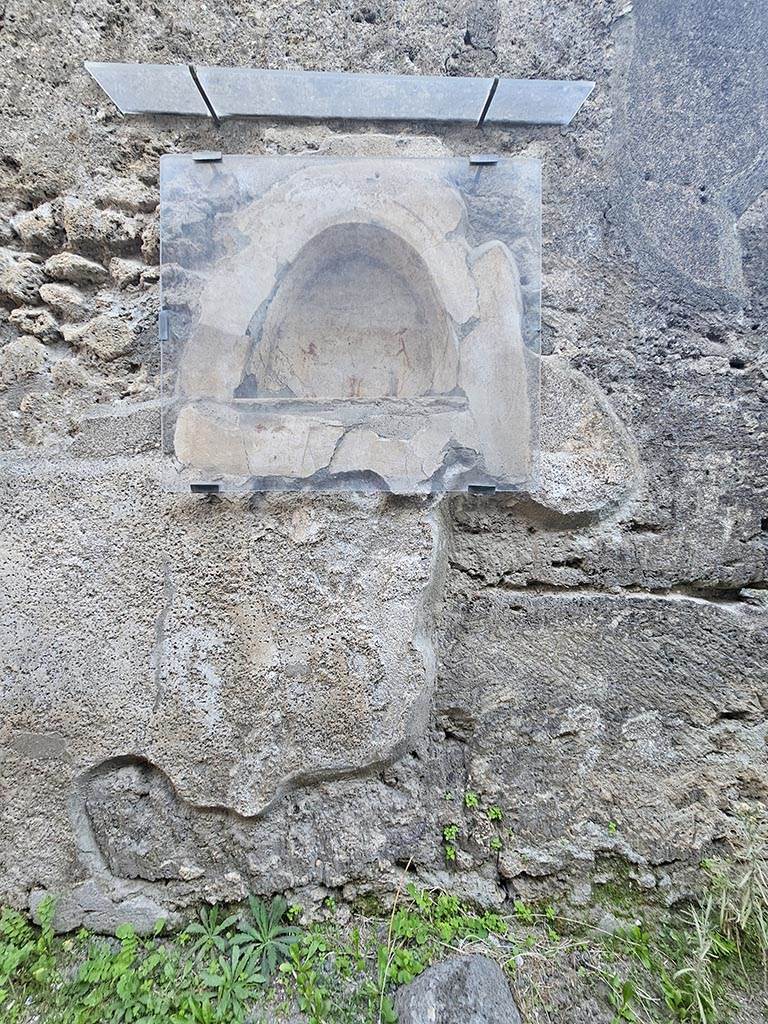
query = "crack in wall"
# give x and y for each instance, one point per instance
(429, 608)
(161, 622)
(729, 600)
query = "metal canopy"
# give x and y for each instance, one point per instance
(244, 92)
(222, 92)
(531, 101)
(150, 88)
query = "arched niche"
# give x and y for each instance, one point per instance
(355, 315)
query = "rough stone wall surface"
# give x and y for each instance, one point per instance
(204, 698)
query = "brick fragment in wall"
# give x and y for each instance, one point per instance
(20, 359)
(150, 241)
(107, 337)
(125, 272)
(128, 194)
(38, 228)
(97, 232)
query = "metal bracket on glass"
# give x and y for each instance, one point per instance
(163, 325)
(223, 92)
(483, 158)
(200, 488)
(207, 158)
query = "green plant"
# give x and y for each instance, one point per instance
(269, 938)
(386, 970)
(740, 886)
(210, 934)
(450, 835)
(692, 991)
(686, 970)
(236, 980)
(198, 1011)
(636, 942)
(495, 813)
(26, 957)
(471, 799)
(523, 912)
(621, 995)
(301, 967)
(120, 981)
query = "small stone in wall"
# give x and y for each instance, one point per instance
(66, 300)
(92, 230)
(102, 907)
(37, 321)
(107, 337)
(150, 277)
(460, 990)
(128, 194)
(38, 228)
(21, 358)
(125, 272)
(68, 266)
(7, 211)
(69, 375)
(20, 278)
(150, 241)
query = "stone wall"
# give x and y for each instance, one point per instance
(202, 698)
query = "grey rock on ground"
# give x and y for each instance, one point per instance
(460, 990)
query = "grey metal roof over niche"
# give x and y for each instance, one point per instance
(222, 92)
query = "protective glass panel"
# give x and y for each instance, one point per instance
(317, 94)
(350, 324)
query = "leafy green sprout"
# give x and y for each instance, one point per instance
(524, 912)
(621, 995)
(302, 968)
(236, 980)
(210, 935)
(471, 799)
(268, 938)
(450, 835)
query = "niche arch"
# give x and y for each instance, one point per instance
(355, 315)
